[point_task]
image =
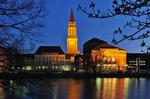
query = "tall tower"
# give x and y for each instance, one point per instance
(72, 40)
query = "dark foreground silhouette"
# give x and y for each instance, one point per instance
(43, 75)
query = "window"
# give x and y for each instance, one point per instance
(109, 59)
(105, 58)
(113, 59)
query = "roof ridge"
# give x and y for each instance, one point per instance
(108, 45)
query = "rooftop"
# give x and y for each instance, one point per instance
(95, 40)
(49, 49)
(106, 45)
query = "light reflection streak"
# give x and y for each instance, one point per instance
(74, 90)
(2, 94)
(111, 88)
(98, 87)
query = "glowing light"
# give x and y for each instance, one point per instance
(98, 87)
(105, 58)
(113, 59)
(72, 40)
(66, 68)
(28, 68)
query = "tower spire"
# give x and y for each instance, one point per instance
(72, 40)
(72, 17)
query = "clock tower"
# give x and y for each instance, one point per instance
(72, 40)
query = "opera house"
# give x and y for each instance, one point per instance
(101, 56)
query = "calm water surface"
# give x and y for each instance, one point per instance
(99, 88)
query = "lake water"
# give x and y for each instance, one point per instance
(67, 88)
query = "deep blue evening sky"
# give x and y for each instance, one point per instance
(56, 25)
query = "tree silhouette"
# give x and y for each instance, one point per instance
(20, 19)
(138, 10)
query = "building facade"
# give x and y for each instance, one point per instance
(103, 57)
(53, 58)
(138, 62)
(79, 62)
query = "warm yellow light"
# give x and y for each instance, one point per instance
(28, 68)
(66, 68)
(72, 42)
(114, 59)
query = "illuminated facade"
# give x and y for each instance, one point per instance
(109, 58)
(72, 40)
(101, 56)
(53, 58)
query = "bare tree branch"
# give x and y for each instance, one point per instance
(18, 17)
(138, 10)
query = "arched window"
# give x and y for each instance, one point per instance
(109, 59)
(113, 59)
(105, 59)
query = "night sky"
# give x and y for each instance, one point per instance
(56, 25)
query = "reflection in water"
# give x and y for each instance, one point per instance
(110, 88)
(99, 88)
(2, 93)
(74, 90)
(10, 89)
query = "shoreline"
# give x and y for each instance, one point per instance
(71, 75)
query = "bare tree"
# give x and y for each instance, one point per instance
(20, 19)
(11, 57)
(138, 10)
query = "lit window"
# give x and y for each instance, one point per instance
(109, 59)
(23, 68)
(105, 58)
(28, 68)
(113, 59)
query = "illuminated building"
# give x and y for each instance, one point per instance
(101, 56)
(53, 58)
(72, 40)
(87, 47)
(138, 61)
(28, 62)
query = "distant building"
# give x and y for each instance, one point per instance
(4, 59)
(103, 57)
(72, 40)
(53, 58)
(79, 62)
(28, 62)
(138, 61)
(87, 47)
